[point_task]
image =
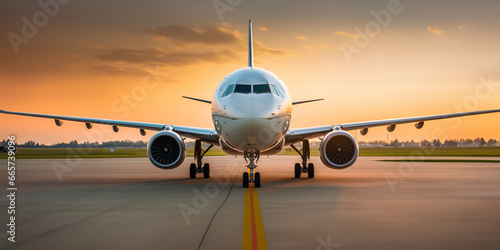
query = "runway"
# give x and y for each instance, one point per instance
(130, 204)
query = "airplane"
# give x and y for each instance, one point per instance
(251, 114)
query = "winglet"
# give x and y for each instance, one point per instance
(250, 44)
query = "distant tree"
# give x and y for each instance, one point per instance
(425, 143)
(436, 143)
(395, 143)
(482, 142)
(450, 143)
(29, 144)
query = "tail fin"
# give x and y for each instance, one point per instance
(250, 44)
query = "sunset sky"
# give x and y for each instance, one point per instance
(133, 60)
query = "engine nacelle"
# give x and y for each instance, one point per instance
(338, 150)
(166, 150)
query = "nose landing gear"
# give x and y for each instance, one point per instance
(198, 156)
(305, 154)
(252, 177)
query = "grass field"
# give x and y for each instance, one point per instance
(54, 153)
(57, 153)
(453, 151)
(445, 160)
(475, 151)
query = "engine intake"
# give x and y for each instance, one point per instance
(338, 150)
(166, 150)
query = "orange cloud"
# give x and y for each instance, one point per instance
(261, 49)
(345, 34)
(108, 69)
(434, 30)
(262, 28)
(157, 56)
(303, 38)
(189, 35)
(225, 24)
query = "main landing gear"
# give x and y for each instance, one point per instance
(250, 157)
(305, 153)
(198, 156)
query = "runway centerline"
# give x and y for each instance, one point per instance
(254, 236)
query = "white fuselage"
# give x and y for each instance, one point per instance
(251, 110)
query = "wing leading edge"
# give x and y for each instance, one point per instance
(207, 135)
(295, 135)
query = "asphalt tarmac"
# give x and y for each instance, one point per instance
(130, 204)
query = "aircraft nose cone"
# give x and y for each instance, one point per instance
(254, 106)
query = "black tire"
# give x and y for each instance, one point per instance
(245, 180)
(206, 170)
(310, 170)
(192, 171)
(298, 170)
(257, 180)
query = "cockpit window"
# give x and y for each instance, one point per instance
(245, 89)
(276, 91)
(229, 90)
(261, 88)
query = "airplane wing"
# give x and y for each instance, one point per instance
(296, 135)
(307, 101)
(206, 135)
(197, 99)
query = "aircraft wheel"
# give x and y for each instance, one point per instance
(298, 170)
(206, 170)
(192, 171)
(257, 179)
(310, 170)
(245, 180)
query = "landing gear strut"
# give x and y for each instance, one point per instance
(198, 156)
(250, 157)
(305, 154)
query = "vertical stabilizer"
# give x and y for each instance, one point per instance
(250, 44)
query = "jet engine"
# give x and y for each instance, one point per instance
(338, 150)
(166, 150)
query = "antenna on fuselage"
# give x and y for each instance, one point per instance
(250, 44)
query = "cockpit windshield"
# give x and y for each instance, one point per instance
(244, 89)
(229, 90)
(247, 89)
(276, 91)
(261, 88)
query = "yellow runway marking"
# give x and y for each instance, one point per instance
(254, 236)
